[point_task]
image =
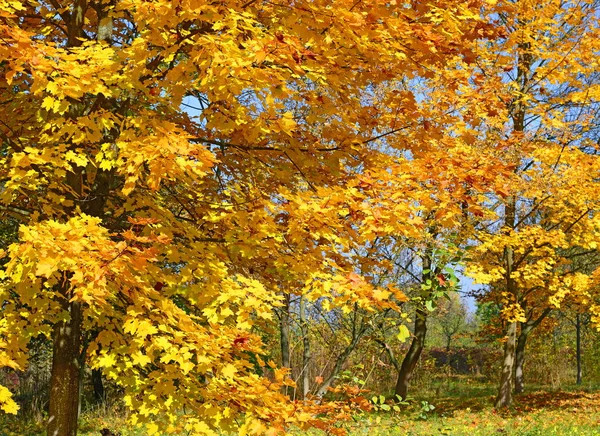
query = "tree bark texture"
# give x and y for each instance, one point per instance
(504, 397)
(306, 349)
(418, 342)
(414, 353)
(64, 381)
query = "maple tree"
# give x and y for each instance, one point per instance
(546, 91)
(173, 163)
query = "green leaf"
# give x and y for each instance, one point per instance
(403, 333)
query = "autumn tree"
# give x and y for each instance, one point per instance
(173, 163)
(546, 92)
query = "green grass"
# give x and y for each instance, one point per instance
(468, 410)
(460, 409)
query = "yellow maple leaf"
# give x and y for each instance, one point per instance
(6, 402)
(229, 371)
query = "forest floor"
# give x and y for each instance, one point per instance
(469, 411)
(458, 410)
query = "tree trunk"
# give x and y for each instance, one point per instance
(504, 397)
(64, 381)
(518, 112)
(578, 346)
(520, 359)
(98, 384)
(337, 367)
(358, 331)
(284, 337)
(306, 349)
(284, 331)
(526, 329)
(418, 342)
(414, 353)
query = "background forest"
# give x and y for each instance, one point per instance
(255, 217)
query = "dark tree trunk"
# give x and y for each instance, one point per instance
(517, 113)
(578, 347)
(418, 342)
(98, 384)
(68, 358)
(64, 381)
(414, 353)
(284, 337)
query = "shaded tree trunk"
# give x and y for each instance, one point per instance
(67, 358)
(414, 353)
(418, 342)
(284, 332)
(517, 113)
(357, 334)
(578, 347)
(284, 337)
(306, 349)
(64, 381)
(526, 329)
(98, 384)
(338, 366)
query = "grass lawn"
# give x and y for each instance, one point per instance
(564, 413)
(465, 410)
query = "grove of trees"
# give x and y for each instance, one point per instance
(213, 212)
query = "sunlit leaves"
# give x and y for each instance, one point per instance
(179, 228)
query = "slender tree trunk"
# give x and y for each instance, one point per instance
(306, 349)
(64, 381)
(518, 112)
(358, 331)
(578, 347)
(414, 353)
(98, 384)
(504, 397)
(284, 337)
(338, 366)
(66, 335)
(418, 342)
(284, 332)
